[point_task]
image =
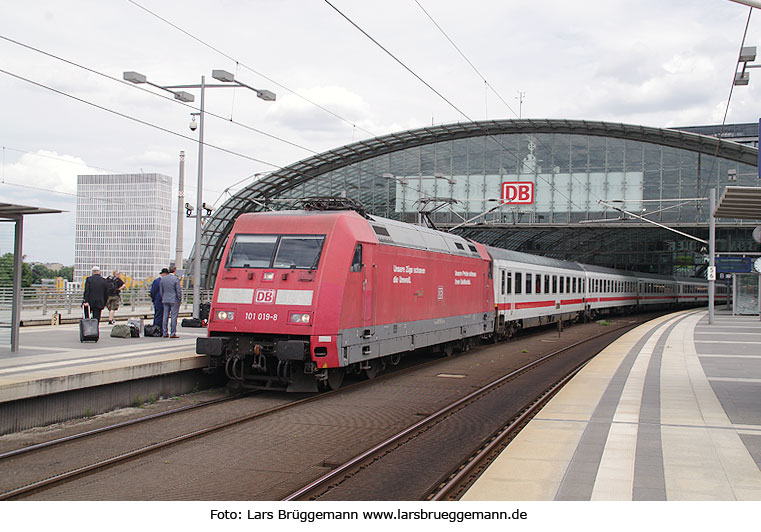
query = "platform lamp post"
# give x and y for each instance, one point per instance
(229, 82)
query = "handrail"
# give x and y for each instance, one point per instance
(50, 299)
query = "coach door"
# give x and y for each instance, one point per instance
(369, 289)
(361, 287)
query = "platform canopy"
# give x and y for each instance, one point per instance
(9, 210)
(743, 203)
(15, 214)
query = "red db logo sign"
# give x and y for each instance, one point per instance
(519, 192)
(265, 296)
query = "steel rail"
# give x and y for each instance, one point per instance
(72, 437)
(445, 490)
(459, 479)
(344, 469)
(74, 473)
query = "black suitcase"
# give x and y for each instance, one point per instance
(88, 327)
(191, 322)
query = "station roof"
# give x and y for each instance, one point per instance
(10, 210)
(742, 203)
(272, 186)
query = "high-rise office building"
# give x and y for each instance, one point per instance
(123, 222)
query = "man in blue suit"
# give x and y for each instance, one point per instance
(158, 305)
(171, 296)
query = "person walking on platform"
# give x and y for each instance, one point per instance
(171, 296)
(96, 293)
(158, 305)
(115, 284)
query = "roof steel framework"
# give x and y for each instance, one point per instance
(255, 196)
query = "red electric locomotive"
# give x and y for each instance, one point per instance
(301, 297)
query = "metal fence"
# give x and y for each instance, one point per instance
(49, 300)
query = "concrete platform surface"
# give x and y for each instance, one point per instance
(51, 359)
(670, 411)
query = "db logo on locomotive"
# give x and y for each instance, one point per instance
(521, 192)
(264, 296)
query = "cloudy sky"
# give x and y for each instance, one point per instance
(65, 110)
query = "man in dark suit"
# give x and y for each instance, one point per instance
(96, 293)
(158, 305)
(171, 296)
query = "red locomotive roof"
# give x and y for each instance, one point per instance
(304, 222)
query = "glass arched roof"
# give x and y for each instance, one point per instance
(265, 192)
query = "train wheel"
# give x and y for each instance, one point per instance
(395, 359)
(335, 378)
(447, 350)
(374, 368)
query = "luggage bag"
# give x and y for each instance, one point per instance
(191, 322)
(152, 330)
(121, 331)
(88, 327)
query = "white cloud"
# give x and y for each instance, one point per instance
(48, 170)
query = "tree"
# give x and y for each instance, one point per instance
(6, 272)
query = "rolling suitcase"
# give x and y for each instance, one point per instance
(88, 327)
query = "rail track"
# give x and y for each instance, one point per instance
(454, 483)
(144, 449)
(132, 447)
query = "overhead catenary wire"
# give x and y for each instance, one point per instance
(489, 86)
(137, 87)
(462, 54)
(243, 65)
(435, 91)
(132, 118)
(726, 108)
(160, 128)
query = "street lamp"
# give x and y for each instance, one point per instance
(229, 82)
(747, 55)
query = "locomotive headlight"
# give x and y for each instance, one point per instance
(299, 318)
(268, 276)
(225, 315)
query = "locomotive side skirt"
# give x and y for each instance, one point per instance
(408, 336)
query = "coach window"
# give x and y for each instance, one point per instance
(356, 261)
(528, 283)
(509, 282)
(562, 285)
(538, 288)
(546, 284)
(573, 289)
(554, 284)
(502, 283)
(518, 281)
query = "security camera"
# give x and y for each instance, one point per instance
(193, 124)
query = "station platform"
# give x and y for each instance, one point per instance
(51, 359)
(670, 411)
(54, 377)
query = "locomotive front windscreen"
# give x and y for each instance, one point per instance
(276, 251)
